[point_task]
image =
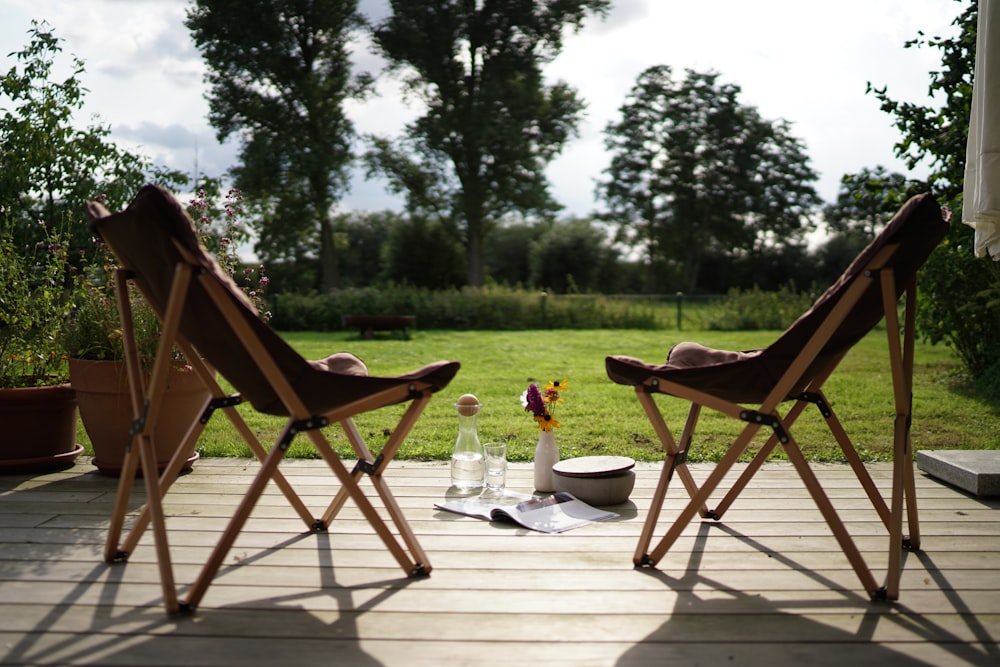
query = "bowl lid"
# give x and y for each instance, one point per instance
(593, 466)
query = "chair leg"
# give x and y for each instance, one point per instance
(167, 479)
(157, 518)
(112, 551)
(674, 462)
(758, 460)
(833, 520)
(349, 482)
(238, 520)
(420, 564)
(903, 500)
(698, 500)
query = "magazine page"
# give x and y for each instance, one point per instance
(551, 514)
(482, 507)
(557, 513)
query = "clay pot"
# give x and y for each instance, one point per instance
(106, 411)
(39, 429)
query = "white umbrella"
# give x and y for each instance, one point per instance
(981, 209)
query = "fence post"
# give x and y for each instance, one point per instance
(680, 310)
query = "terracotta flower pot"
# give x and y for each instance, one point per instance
(39, 428)
(106, 411)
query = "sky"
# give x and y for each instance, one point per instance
(801, 61)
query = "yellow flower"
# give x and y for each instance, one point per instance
(557, 386)
(546, 422)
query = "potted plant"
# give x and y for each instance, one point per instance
(93, 343)
(37, 406)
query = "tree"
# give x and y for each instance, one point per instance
(939, 133)
(574, 256)
(279, 74)
(48, 167)
(491, 123)
(694, 172)
(422, 253)
(363, 234)
(505, 252)
(867, 200)
(958, 292)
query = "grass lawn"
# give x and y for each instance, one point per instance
(601, 417)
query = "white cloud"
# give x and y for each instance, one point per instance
(805, 62)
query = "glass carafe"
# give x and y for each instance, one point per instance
(467, 466)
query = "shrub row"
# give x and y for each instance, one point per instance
(503, 308)
(495, 308)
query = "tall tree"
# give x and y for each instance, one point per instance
(867, 200)
(279, 72)
(694, 172)
(491, 123)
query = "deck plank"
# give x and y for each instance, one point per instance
(766, 586)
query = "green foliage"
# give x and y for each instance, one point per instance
(93, 327)
(867, 200)
(33, 309)
(988, 383)
(504, 254)
(422, 253)
(361, 236)
(695, 172)
(48, 167)
(491, 121)
(491, 307)
(960, 301)
(754, 309)
(959, 292)
(573, 257)
(939, 133)
(279, 73)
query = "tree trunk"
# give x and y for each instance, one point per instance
(328, 274)
(473, 209)
(474, 256)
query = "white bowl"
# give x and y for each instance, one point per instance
(596, 480)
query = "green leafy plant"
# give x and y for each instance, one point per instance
(33, 309)
(94, 329)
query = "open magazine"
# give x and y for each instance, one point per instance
(552, 514)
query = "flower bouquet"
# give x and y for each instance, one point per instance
(542, 403)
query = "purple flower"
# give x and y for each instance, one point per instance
(533, 397)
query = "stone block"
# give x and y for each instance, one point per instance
(975, 471)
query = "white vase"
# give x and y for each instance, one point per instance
(546, 456)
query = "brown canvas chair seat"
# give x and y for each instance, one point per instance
(211, 320)
(751, 386)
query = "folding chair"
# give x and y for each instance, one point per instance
(750, 386)
(213, 323)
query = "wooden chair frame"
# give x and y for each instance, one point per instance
(146, 401)
(754, 386)
(903, 494)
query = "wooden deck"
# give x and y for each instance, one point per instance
(768, 586)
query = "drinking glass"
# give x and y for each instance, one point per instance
(496, 466)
